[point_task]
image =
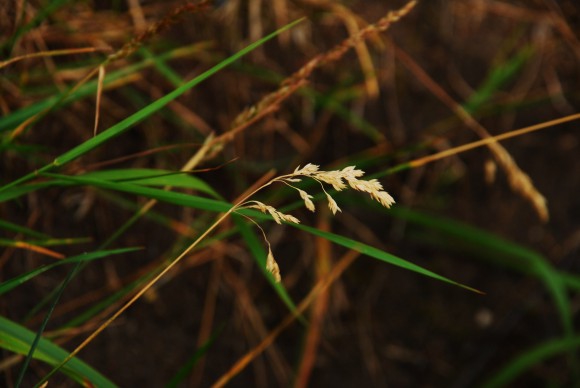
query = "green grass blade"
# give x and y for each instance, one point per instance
(530, 358)
(85, 257)
(496, 79)
(162, 67)
(219, 206)
(127, 123)
(152, 177)
(378, 254)
(18, 191)
(17, 339)
(22, 230)
(48, 242)
(149, 192)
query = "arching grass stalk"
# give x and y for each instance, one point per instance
(338, 179)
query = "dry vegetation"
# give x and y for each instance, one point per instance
(113, 137)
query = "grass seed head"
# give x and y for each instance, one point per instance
(338, 179)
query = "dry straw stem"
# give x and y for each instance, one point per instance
(519, 181)
(466, 147)
(51, 53)
(271, 102)
(319, 310)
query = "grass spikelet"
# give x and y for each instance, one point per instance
(272, 266)
(307, 200)
(276, 215)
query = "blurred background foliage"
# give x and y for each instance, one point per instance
(433, 81)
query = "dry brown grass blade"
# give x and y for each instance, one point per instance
(349, 19)
(362, 51)
(38, 249)
(208, 314)
(52, 53)
(519, 181)
(99, 95)
(258, 328)
(553, 17)
(319, 308)
(322, 285)
(271, 102)
(490, 140)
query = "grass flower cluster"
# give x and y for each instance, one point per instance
(338, 179)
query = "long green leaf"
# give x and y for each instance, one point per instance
(219, 206)
(127, 123)
(21, 229)
(149, 192)
(17, 339)
(378, 254)
(152, 177)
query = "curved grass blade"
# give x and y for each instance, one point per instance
(530, 358)
(17, 339)
(18, 191)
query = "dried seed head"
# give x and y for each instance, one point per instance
(272, 266)
(338, 179)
